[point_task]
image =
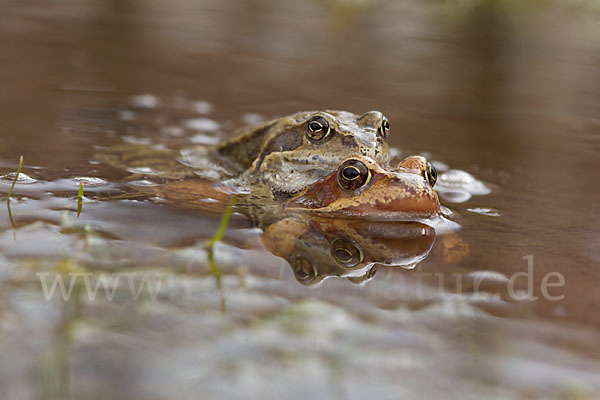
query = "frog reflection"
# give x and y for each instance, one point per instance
(319, 248)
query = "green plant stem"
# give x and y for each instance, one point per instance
(224, 222)
(79, 199)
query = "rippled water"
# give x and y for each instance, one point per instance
(505, 93)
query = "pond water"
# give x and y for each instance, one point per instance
(504, 307)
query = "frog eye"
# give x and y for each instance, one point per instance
(304, 270)
(346, 253)
(317, 128)
(353, 175)
(430, 174)
(385, 127)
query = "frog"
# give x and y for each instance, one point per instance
(338, 167)
(291, 152)
(359, 188)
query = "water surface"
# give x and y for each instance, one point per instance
(507, 93)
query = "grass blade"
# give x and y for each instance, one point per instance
(214, 268)
(79, 199)
(224, 222)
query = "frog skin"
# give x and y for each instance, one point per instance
(292, 152)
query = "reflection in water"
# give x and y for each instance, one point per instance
(54, 369)
(320, 248)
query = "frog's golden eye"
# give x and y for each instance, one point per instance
(353, 175)
(385, 127)
(304, 270)
(346, 253)
(317, 128)
(430, 174)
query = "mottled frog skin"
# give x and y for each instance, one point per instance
(292, 152)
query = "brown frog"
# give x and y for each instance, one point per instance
(292, 152)
(327, 162)
(363, 188)
(358, 188)
(311, 165)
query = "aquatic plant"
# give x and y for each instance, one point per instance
(223, 225)
(79, 199)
